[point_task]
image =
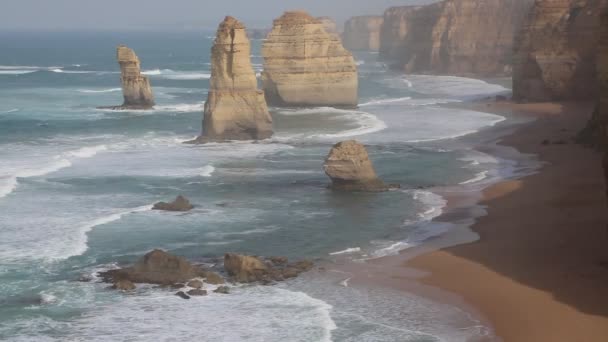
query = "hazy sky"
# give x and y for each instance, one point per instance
(170, 14)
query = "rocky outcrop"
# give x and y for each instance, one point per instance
(329, 24)
(555, 58)
(235, 108)
(363, 33)
(181, 203)
(156, 267)
(350, 169)
(136, 88)
(306, 66)
(455, 37)
(250, 269)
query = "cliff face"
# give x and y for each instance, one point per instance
(306, 66)
(362, 33)
(136, 88)
(556, 55)
(235, 108)
(457, 37)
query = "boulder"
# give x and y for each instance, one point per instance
(235, 108)
(304, 65)
(124, 285)
(222, 290)
(156, 267)
(181, 203)
(350, 169)
(245, 269)
(195, 284)
(182, 295)
(213, 278)
(197, 292)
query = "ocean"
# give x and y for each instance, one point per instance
(77, 185)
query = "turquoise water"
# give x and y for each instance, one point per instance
(77, 184)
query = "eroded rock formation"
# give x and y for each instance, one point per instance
(363, 33)
(329, 25)
(350, 169)
(306, 66)
(181, 203)
(235, 108)
(249, 269)
(136, 87)
(555, 57)
(456, 37)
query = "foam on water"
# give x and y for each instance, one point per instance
(10, 111)
(111, 90)
(207, 171)
(478, 178)
(385, 101)
(454, 87)
(177, 75)
(347, 251)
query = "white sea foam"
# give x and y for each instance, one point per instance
(177, 108)
(359, 62)
(177, 75)
(478, 178)
(207, 171)
(347, 251)
(10, 111)
(111, 90)
(368, 123)
(87, 152)
(392, 249)
(433, 204)
(16, 72)
(385, 101)
(453, 87)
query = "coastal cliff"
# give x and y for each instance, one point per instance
(306, 66)
(363, 33)
(136, 88)
(556, 55)
(456, 37)
(235, 108)
(329, 24)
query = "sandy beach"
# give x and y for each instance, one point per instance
(539, 271)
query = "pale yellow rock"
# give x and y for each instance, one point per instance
(136, 88)
(235, 108)
(363, 33)
(306, 66)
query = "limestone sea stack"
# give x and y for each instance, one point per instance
(555, 57)
(235, 108)
(363, 33)
(304, 65)
(455, 37)
(350, 169)
(136, 87)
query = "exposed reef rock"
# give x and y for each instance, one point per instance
(455, 37)
(249, 269)
(329, 24)
(363, 33)
(181, 203)
(306, 66)
(555, 58)
(136, 88)
(156, 267)
(350, 169)
(235, 108)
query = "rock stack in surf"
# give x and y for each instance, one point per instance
(136, 88)
(235, 108)
(350, 169)
(306, 66)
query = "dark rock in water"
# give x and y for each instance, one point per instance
(156, 267)
(124, 285)
(249, 269)
(350, 169)
(182, 295)
(195, 284)
(197, 292)
(180, 204)
(222, 290)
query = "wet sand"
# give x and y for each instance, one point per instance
(539, 271)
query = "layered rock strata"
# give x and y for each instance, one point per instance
(350, 169)
(235, 108)
(306, 66)
(136, 88)
(555, 58)
(363, 33)
(456, 37)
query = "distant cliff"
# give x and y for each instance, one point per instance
(556, 53)
(455, 37)
(363, 33)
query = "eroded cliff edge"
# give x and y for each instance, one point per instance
(136, 88)
(455, 37)
(556, 52)
(306, 66)
(235, 108)
(363, 33)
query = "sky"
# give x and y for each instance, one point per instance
(159, 15)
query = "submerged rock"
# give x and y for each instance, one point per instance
(304, 65)
(182, 295)
(136, 88)
(350, 169)
(235, 108)
(180, 204)
(222, 290)
(197, 292)
(156, 267)
(124, 285)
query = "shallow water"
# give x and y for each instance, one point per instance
(77, 183)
